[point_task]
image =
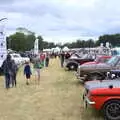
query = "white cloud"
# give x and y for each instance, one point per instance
(63, 20)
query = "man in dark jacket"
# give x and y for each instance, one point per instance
(7, 69)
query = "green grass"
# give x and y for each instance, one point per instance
(58, 97)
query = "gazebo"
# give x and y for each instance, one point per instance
(65, 49)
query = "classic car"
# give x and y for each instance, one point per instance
(75, 60)
(17, 58)
(25, 58)
(97, 71)
(104, 95)
(99, 59)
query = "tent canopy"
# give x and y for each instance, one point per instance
(65, 48)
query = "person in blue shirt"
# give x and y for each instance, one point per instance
(27, 72)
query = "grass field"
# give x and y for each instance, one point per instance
(58, 97)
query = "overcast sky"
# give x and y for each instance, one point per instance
(63, 20)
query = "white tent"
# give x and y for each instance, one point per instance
(57, 49)
(47, 50)
(65, 49)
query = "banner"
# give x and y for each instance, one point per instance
(3, 46)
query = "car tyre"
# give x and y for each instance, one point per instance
(111, 110)
(72, 67)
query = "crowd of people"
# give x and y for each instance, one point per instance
(10, 69)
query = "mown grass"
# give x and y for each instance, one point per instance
(58, 97)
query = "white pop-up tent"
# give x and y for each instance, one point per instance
(47, 50)
(65, 49)
(57, 49)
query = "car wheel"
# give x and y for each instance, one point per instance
(112, 110)
(95, 76)
(72, 67)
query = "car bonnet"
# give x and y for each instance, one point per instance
(102, 84)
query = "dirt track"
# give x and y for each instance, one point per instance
(58, 97)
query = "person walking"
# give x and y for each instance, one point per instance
(14, 73)
(27, 72)
(47, 60)
(62, 56)
(7, 70)
(37, 66)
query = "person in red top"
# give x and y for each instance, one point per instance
(42, 58)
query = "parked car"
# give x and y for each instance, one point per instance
(104, 95)
(75, 60)
(17, 58)
(99, 59)
(25, 57)
(97, 71)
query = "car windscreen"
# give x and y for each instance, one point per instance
(101, 59)
(87, 56)
(113, 60)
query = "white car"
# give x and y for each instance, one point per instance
(25, 57)
(17, 58)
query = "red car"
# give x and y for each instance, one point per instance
(99, 59)
(104, 95)
(75, 60)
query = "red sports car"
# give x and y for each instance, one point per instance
(104, 95)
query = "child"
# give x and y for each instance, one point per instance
(27, 72)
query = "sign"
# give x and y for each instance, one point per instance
(3, 46)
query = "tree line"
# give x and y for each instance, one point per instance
(23, 40)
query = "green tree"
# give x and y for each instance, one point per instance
(21, 42)
(41, 46)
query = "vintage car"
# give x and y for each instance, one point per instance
(104, 95)
(99, 59)
(97, 71)
(75, 60)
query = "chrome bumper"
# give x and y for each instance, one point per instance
(87, 101)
